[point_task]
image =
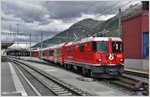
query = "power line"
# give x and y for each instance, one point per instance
(107, 8)
(42, 9)
(114, 8)
(109, 11)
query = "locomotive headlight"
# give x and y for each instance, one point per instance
(99, 60)
(110, 56)
(121, 60)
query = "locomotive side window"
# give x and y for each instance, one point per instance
(94, 46)
(102, 46)
(117, 46)
(68, 49)
(51, 52)
(82, 48)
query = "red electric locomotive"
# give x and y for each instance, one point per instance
(97, 56)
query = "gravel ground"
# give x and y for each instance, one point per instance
(44, 91)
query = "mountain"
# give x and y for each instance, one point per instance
(89, 26)
(80, 29)
(111, 25)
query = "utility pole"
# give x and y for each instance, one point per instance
(67, 37)
(47, 40)
(119, 24)
(36, 41)
(10, 28)
(41, 44)
(18, 32)
(30, 44)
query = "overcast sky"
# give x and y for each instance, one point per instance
(52, 17)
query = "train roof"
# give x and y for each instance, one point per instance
(88, 39)
(54, 46)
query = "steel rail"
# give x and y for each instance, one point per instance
(64, 87)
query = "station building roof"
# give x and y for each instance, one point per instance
(5, 45)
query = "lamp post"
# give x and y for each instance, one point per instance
(41, 44)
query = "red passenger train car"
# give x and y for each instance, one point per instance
(35, 53)
(94, 56)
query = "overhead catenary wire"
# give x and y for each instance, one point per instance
(107, 8)
(110, 11)
(101, 11)
(114, 8)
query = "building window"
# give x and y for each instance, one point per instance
(145, 45)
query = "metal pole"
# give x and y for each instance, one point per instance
(119, 26)
(41, 43)
(47, 40)
(18, 32)
(67, 36)
(10, 28)
(30, 44)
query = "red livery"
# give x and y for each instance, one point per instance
(94, 56)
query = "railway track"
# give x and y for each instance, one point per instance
(138, 86)
(130, 81)
(136, 73)
(58, 87)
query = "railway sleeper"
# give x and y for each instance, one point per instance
(126, 85)
(61, 92)
(67, 94)
(139, 86)
(127, 81)
(58, 90)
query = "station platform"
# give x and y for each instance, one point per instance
(12, 81)
(137, 65)
(129, 66)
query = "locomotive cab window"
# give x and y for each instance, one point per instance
(117, 46)
(82, 48)
(102, 46)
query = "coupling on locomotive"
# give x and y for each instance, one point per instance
(101, 57)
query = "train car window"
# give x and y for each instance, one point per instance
(82, 48)
(59, 51)
(68, 49)
(94, 46)
(102, 46)
(51, 52)
(117, 46)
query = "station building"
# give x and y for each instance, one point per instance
(135, 35)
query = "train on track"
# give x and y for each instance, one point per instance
(101, 57)
(18, 52)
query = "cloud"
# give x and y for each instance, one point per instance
(52, 17)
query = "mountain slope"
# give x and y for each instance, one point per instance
(89, 26)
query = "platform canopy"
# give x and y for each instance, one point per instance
(5, 45)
